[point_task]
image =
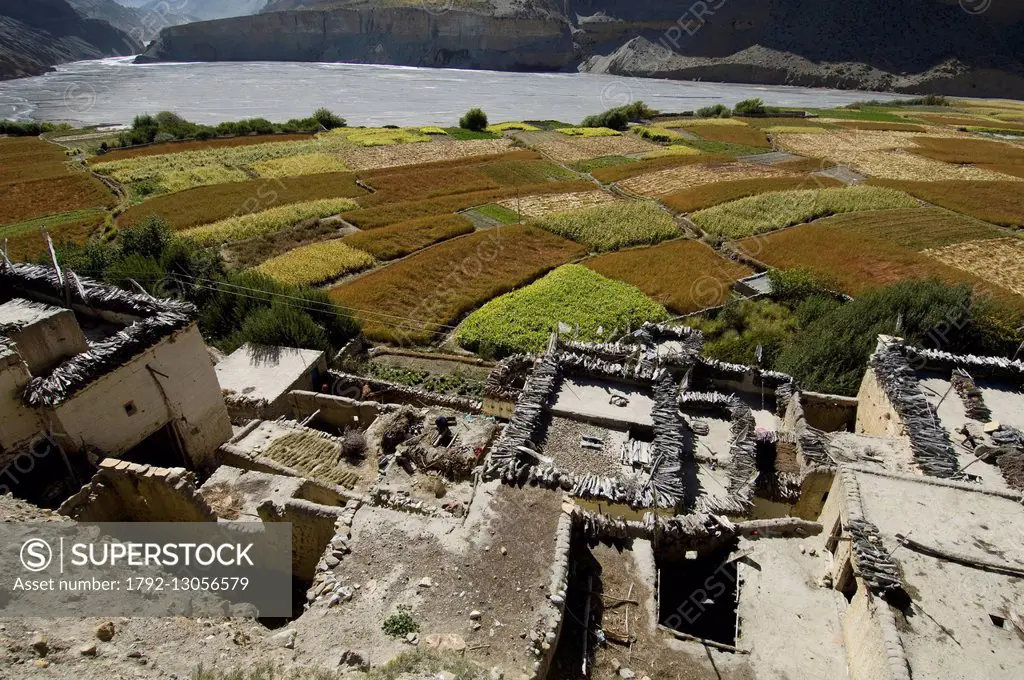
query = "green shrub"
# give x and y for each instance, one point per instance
(400, 624)
(474, 119)
(716, 111)
(750, 107)
(327, 119)
(620, 117)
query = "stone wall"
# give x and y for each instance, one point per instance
(339, 412)
(172, 382)
(875, 413)
(313, 527)
(127, 492)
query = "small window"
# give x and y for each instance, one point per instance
(130, 409)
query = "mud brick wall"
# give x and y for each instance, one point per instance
(313, 527)
(126, 492)
(339, 412)
(875, 413)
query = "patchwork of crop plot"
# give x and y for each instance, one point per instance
(692, 175)
(685, 276)
(35, 181)
(985, 154)
(398, 240)
(775, 210)
(699, 122)
(523, 320)
(423, 182)
(369, 218)
(295, 166)
(539, 206)
(439, 149)
(881, 154)
(1000, 260)
(25, 241)
(857, 262)
(194, 145)
(588, 132)
(880, 126)
(654, 161)
(915, 228)
(413, 299)
(568, 149)
(267, 221)
(730, 134)
(613, 226)
(380, 136)
(204, 205)
(707, 195)
(996, 202)
(316, 263)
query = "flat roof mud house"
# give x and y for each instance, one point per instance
(88, 371)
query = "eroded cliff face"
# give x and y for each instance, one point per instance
(405, 36)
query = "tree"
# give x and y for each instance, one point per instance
(750, 107)
(327, 119)
(619, 117)
(475, 119)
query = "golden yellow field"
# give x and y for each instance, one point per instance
(699, 122)
(296, 166)
(316, 263)
(538, 206)
(267, 221)
(999, 260)
(686, 176)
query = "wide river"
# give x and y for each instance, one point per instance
(115, 90)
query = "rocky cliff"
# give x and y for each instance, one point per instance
(957, 47)
(406, 36)
(35, 35)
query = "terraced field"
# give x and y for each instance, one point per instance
(523, 320)
(539, 206)
(36, 180)
(692, 175)
(996, 202)
(613, 226)
(400, 239)
(999, 260)
(685, 276)
(707, 195)
(316, 263)
(417, 298)
(569, 149)
(776, 210)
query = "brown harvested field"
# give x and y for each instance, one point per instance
(786, 122)
(371, 174)
(207, 204)
(27, 246)
(685, 276)
(965, 150)
(747, 136)
(707, 195)
(805, 165)
(23, 201)
(539, 206)
(617, 173)
(370, 218)
(1011, 170)
(688, 176)
(367, 158)
(398, 240)
(996, 202)
(36, 181)
(568, 149)
(915, 228)
(426, 183)
(878, 125)
(858, 263)
(1000, 260)
(193, 145)
(413, 300)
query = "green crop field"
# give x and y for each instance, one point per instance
(613, 226)
(522, 321)
(775, 210)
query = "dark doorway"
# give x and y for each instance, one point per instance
(162, 449)
(698, 596)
